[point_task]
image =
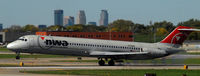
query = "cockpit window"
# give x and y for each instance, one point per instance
(22, 39)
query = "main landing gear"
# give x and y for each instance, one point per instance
(110, 62)
(18, 55)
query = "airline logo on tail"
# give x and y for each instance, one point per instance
(177, 36)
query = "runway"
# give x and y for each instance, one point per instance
(36, 64)
(100, 67)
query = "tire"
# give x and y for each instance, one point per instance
(111, 63)
(101, 63)
(17, 57)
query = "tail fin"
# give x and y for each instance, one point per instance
(178, 35)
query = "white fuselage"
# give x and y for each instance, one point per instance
(84, 47)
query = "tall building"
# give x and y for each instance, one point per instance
(58, 17)
(1, 26)
(92, 23)
(42, 26)
(81, 18)
(103, 18)
(68, 20)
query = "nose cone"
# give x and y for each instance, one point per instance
(11, 46)
(17, 45)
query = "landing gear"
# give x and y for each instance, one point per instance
(111, 62)
(101, 62)
(17, 57)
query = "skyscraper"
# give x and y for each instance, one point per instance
(103, 18)
(92, 23)
(58, 17)
(1, 26)
(81, 18)
(42, 26)
(68, 20)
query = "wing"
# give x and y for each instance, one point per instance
(103, 53)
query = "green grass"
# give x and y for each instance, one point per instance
(192, 61)
(74, 60)
(4, 49)
(25, 65)
(121, 72)
(31, 56)
(9, 65)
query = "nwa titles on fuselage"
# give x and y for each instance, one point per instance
(102, 49)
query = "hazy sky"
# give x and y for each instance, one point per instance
(22, 12)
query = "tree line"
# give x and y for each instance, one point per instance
(160, 29)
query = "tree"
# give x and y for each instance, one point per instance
(54, 28)
(190, 23)
(14, 28)
(164, 24)
(161, 31)
(102, 28)
(121, 25)
(76, 28)
(90, 28)
(139, 28)
(30, 27)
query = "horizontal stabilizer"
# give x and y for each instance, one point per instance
(197, 30)
(99, 53)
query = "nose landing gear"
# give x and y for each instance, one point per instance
(18, 55)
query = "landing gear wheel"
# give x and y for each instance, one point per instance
(111, 63)
(17, 57)
(101, 62)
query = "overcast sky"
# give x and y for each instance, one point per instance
(22, 12)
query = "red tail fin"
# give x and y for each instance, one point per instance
(177, 36)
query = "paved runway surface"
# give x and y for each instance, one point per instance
(101, 67)
(53, 65)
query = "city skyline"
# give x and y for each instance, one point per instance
(81, 17)
(22, 12)
(103, 18)
(68, 20)
(58, 17)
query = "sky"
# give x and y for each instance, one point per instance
(22, 12)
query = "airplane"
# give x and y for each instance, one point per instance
(102, 49)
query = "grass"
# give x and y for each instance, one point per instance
(25, 65)
(74, 60)
(4, 49)
(31, 56)
(9, 65)
(192, 61)
(121, 72)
